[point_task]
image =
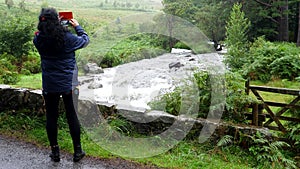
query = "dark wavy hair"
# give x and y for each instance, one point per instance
(51, 37)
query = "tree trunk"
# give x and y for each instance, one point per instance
(170, 26)
(283, 29)
(298, 36)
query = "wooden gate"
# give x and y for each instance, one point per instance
(263, 115)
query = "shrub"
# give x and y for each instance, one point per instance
(236, 98)
(15, 44)
(110, 60)
(25, 72)
(9, 77)
(132, 49)
(294, 136)
(286, 67)
(271, 60)
(8, 71)
(8, 62)
(171, 102)
(262, 53)
(32, 63)
(16, 33)
(181, 45)
(270, 152)
(204, 87)
(144, 53)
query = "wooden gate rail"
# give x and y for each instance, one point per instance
(273, 116)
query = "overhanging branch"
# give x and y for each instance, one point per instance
(263, 3)
(272, 19)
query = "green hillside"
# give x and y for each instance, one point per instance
(94, 10)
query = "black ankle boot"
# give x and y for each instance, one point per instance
(78, 153)
(55, 153)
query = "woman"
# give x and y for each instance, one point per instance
(57, 46)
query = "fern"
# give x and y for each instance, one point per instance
(265, 150)
(224, 141)
(295, 135)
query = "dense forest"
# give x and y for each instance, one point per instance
(269, 24)
(277, 20)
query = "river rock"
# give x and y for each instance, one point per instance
(95, 85)
(92, 68)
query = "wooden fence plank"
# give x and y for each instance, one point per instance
(264, 116)
(255, 115)
(274, 128)
(284, 109)
(247, 86)
(289, 119)
(281, 105)
(276, 90)
(273, 116)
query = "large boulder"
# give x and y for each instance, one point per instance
(95, 85)
(92, 68)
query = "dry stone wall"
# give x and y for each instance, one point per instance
(14, 99)
(92, 113)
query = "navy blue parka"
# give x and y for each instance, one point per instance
(59, 69)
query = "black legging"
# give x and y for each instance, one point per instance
(70, 102)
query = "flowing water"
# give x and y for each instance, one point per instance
(137, 83)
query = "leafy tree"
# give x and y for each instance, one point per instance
(129, 5)
(137, 5)
(181, 8)
(16, 34)
(298, 31)
(115, 4)
(22, 5)
(101, 5)
(209, 15)
(211, 18)
(236, 37)
(45, 4)
(9, 3)
(279, 14)
(277, 20)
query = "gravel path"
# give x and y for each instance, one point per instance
(16, 154)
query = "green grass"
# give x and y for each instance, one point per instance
(91, 9)
(279, 84)
(33, 81)
(185, 155)
(275, 97)
(191, 155)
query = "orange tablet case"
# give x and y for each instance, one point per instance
(66, 15)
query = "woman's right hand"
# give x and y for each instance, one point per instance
(74, 22)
